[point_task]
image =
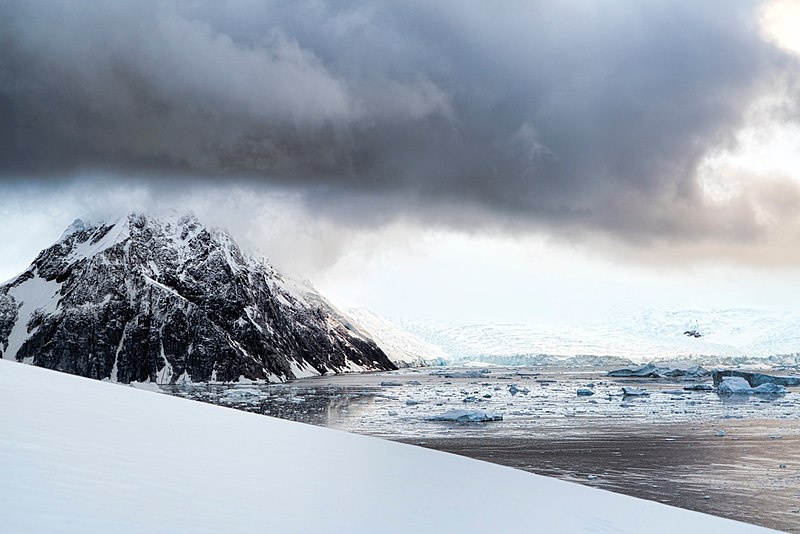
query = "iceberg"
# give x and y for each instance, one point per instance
(699, 387)
(467, 416)
(754, 379)
(645, 371)
(634, 392)
(736, 385)
(651, 370)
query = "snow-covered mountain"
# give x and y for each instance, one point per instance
(141, 299)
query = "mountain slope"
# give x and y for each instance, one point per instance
(140, 299)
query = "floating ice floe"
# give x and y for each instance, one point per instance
(467, 416)
(645, 371)
(634, 392)
(585, 392)
(754, 379)
(513, 389)
(736, 385)
(699, 387)
(653, 371)
(241, 393)
(479, 373)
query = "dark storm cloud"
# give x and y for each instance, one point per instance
(563, 114)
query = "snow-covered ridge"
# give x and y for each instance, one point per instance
(159, 300)
(81, 456)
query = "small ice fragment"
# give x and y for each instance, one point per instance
(591, 477)
(721, 433)
(585, 392)
(634, 392)
(699, 387)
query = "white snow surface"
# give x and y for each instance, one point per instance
(82, 456)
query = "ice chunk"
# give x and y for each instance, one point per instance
(754, 379)
(480, 373)
(634, 392)
(646, 371)
(692, 372)
(736, 385)
(769, 389)
(653, 371)
(513, 389)
(467, 416)
(585, 392)
(699, 387)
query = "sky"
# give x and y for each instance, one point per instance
(549, 162)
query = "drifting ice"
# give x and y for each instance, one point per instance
(467, 416)
(736, 385)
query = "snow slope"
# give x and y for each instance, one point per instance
(83, 456)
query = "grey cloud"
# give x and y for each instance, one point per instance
(557, 114)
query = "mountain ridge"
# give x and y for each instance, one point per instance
(145, 299)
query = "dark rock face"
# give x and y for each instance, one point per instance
(142, 299)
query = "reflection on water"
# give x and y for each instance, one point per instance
(322, 406)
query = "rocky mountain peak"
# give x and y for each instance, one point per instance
(166, 299)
